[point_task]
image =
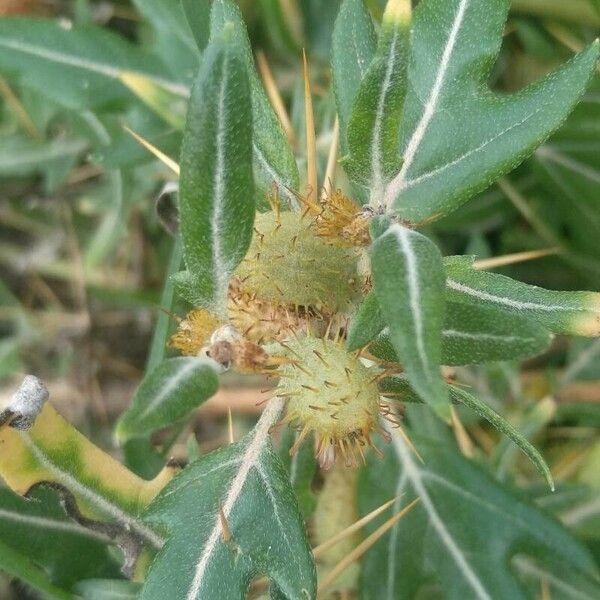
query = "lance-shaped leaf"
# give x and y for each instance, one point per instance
(37, 527)
(575, 313)
(461, 509)
(21, 566)
(77, 67)
(377, 109)
(168, 394)
(409, 283)
(353, 46)
(52, 451)
(456, 135)
(399, 389)
(366, 324)
(475, 334)
(216, 197)
(273, 159)
(231, 516)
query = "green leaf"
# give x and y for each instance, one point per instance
(173, 42)
(377, 109)
(471, 536)
(77, 67)
(574, 313)
(39, 529)
(457, 136)
(301, 467)
(108, 589)
(471, 334)
(168, 394)
(409, 282)
(197, 13)
(273, 158)
(216, 198)
(353, 46)
(366, 324)
(399, 388)
(263, 535)
(501, 424)
(20, 566)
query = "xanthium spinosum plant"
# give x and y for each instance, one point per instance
(341, 298)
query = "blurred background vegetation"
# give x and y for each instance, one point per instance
(85, 246)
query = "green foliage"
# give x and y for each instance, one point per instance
(168, 394)
(231, 516)
(434, 107)
(216, 199)
(409, 284)
(462, 508)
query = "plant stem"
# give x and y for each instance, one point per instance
(574, 11)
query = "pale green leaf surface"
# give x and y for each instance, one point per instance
(107, 589)
(168, 394)
(247, 481)
(474, 335)
(575, 313)
(377, 109)
(466, 534)
(216, 198)
(353, 46)
(173, 42)
(38, 528)
(366, 324)
(401, 391)
(273, 159)
(77, 67)
(409, 281)
(457, 136)
(20, 565)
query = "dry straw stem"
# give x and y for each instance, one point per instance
(169, 162)
(329, 183)
(274, 96)
(18, 109)
(362, 548)
(311, 138)
(342, 535)
(511, 259)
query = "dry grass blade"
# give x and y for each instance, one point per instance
(169, 162)
(18, 109)
(319, 550)
(328, 184)
(230, 425)
(462, 437)
(275, 97)
(311, 138)
(362, 548)
(511, 259)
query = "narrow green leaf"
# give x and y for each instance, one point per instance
(168, 394)
(20, 566)
(231, 516)
(366, 324)
(216, 198)
(501, 424)
(77, 67)
(377, 109)
(471, 334)
(575, 313)
(353, 46)
(38, 528)
(173, 41)
(461, 508)
(409, 282)
(197, 13)
(273, 159)
(457, 136)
